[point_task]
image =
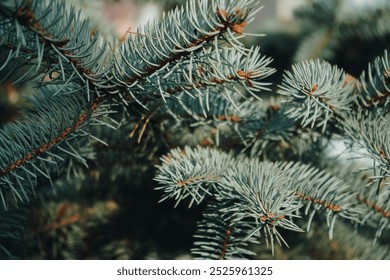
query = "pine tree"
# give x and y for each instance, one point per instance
(194, 112)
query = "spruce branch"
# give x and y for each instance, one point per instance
(61, 43)
(67, 226)
(370, 136)
(265, 199)
(250, 124)
(14, 234)
(31, 144)
(212, 72)
(190, 173)
(374, 87)
(272, 195)
(183, 35)
(318, 90)
(377, 209)
(218, 238)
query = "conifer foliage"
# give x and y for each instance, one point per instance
(191, 101)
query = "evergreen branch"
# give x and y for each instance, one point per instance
(13, 233)
(226, 241)
(61, 42)
(269, 194)
(212, 72)
(377, 207)
(371, 134)
(25, 15)
(48, 145)
(187, 173)
(225, 107)
(374, 89)
(252, 124)
(321, 190)
(67, 224)
(217, 238)
(182, 33)
(319, 90)
(263, 123)
(260, 192)
(26, 146)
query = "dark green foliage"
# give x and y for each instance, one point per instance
(96, 130)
